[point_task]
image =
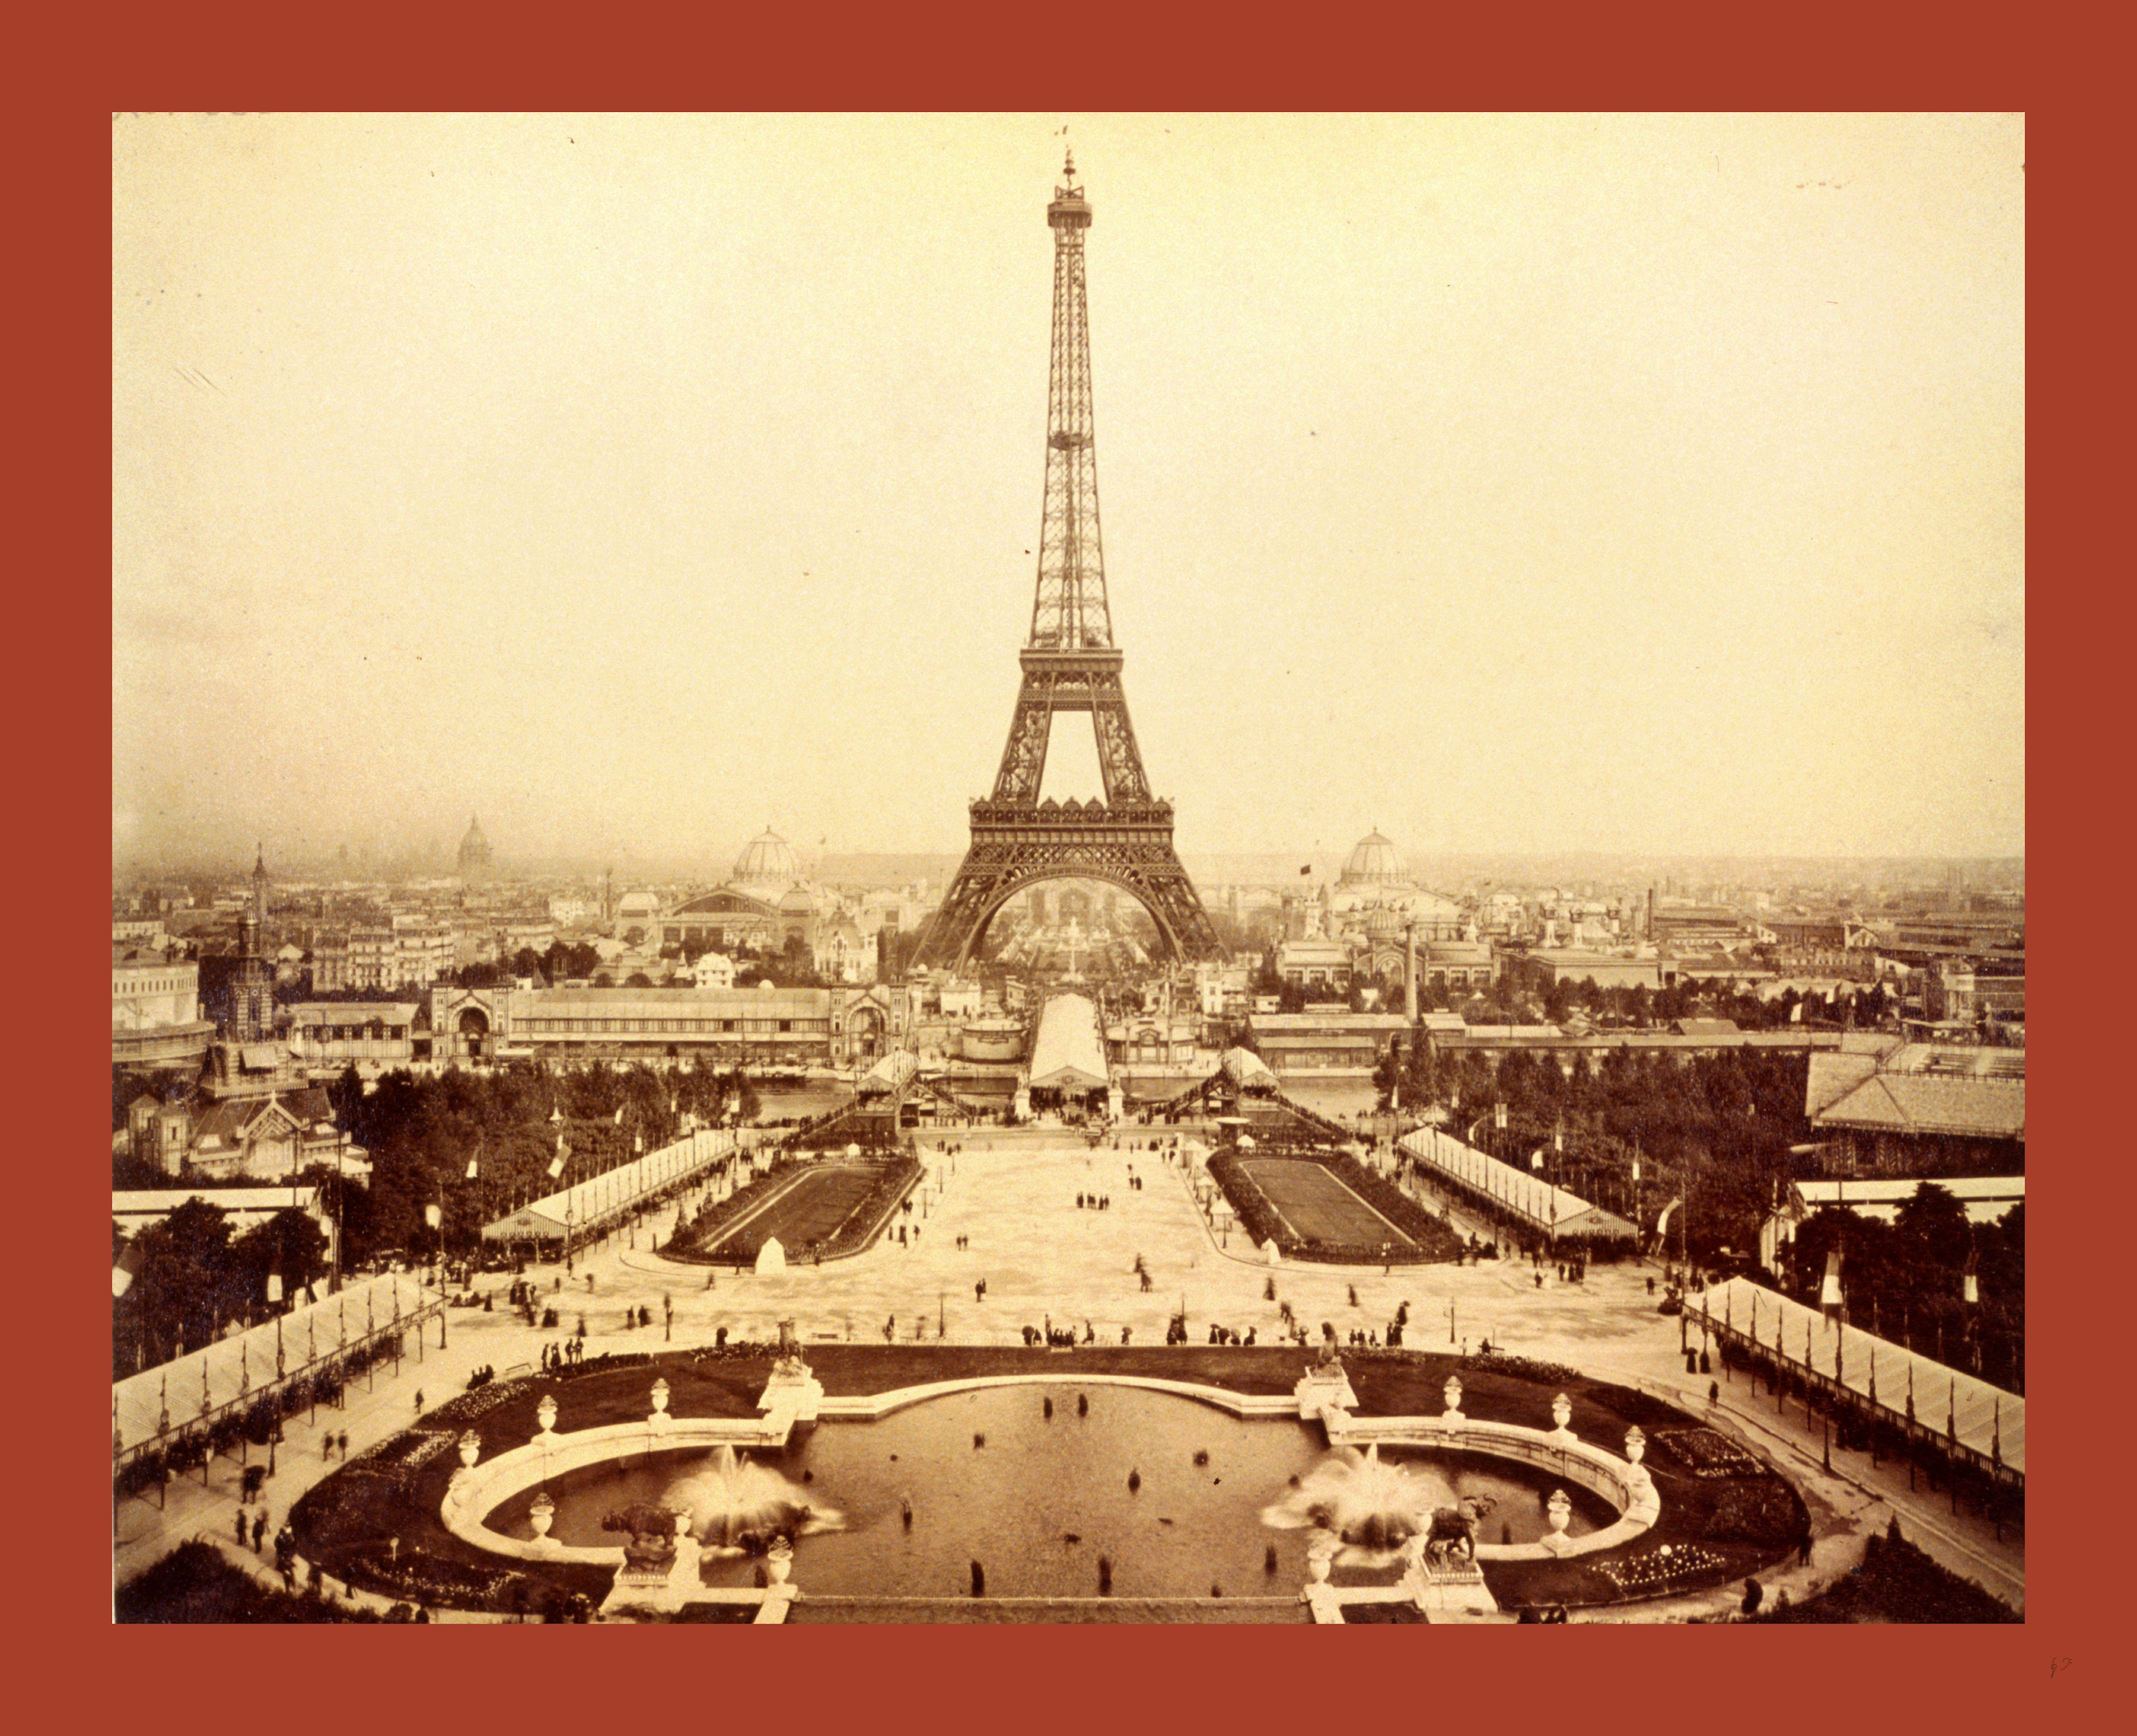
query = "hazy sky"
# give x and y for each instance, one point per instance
(1511, 484)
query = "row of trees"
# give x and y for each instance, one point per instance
(1718, 1127)
(1905, 1280)
(421, 1133)
(1525, 994)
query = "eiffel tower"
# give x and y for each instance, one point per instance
(1070, 664)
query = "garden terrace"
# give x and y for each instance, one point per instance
(1723, 1514)
(1327, 1206)
(816, 1211)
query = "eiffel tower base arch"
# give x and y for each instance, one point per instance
(1016, 845)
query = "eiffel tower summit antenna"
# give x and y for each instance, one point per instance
(1070, 664)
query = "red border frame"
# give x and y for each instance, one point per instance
(1102, 57)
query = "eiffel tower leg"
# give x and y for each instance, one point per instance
(954, 928)
(1120, 761)
(1023, 756)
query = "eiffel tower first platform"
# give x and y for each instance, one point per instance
(1070, 664)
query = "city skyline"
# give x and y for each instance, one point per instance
(636, 483)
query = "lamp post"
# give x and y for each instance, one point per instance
(440, 1209)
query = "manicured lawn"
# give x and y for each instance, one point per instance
(813, 1210)
(1317, 1206)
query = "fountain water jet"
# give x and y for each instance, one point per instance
(1374, 1508)
(735, 1506)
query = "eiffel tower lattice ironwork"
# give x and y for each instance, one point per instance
(1070, 664)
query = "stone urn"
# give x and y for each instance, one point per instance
(1559, 1510)
(541, 1515)
(659, 1396)
(545, 1413)
(779, 1560)
(470, 1448)
(1320, 1556)
(1452, 1393)
(1636, 1445)
(1561, 1415)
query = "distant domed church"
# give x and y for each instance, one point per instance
(475, 855)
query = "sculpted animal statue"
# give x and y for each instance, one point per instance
(1450, 1540)
(651, 1548)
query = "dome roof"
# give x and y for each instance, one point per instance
(474, 847)
(1375, 861)
(1385, 923)
(768, 862)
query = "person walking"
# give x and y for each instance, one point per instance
(259, 1531)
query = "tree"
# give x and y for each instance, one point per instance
(346, 1095)
(1933, 1221)
(290, 1242)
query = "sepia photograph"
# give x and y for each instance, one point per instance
(731, 1005)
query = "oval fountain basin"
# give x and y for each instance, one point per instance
(1038, 1505)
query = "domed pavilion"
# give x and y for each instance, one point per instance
(766, 903)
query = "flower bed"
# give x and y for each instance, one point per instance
(1666, 1567)
(1756, 1511)
(1520, 1368)
(410, 1449)
(472, 1406)
(1706, 1454)
(1431, 1239)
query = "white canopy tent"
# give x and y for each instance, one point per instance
(1985, 1420)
